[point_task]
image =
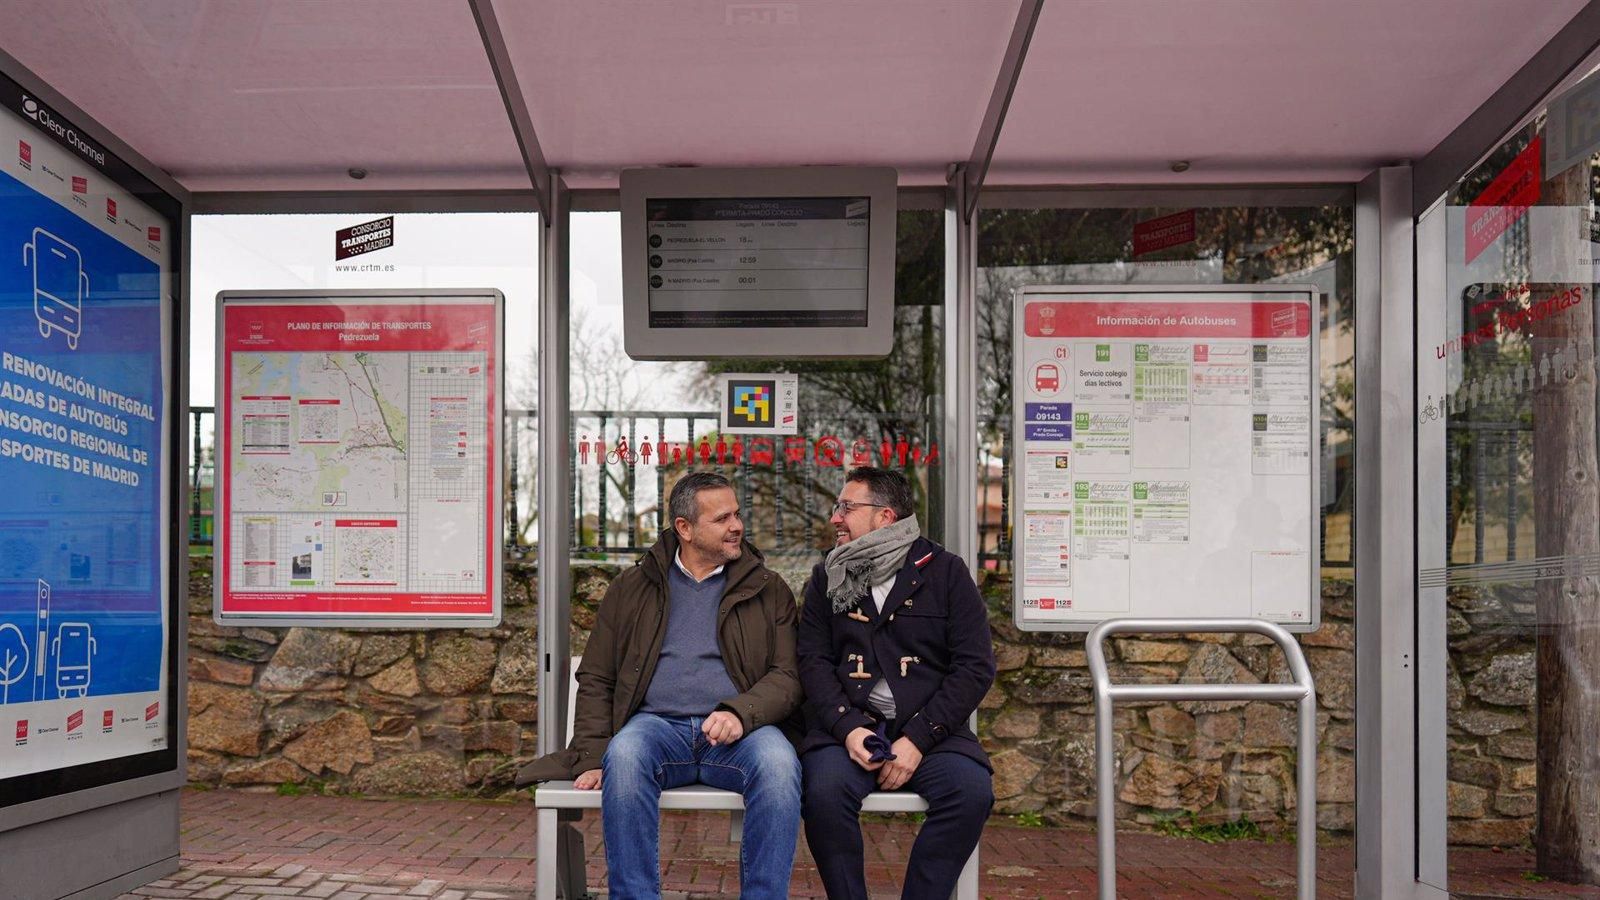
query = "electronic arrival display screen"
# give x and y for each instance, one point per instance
(729, 263)
(771, 261)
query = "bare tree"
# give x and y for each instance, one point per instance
(1567, 516)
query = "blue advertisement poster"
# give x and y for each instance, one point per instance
(82, 583)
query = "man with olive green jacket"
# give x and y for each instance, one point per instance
(690, 676)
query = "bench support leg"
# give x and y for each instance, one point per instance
(736, 826)
(545, 867)
(572, 866)
(560, 870)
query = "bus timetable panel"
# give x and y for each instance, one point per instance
(1165, 454)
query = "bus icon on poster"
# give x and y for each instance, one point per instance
(59, 285)
(1047, 378)
(73, 649)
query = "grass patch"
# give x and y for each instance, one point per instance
(1188, 826)
(1029, 819)
(290, 789)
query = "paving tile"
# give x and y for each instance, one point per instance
(340, 848)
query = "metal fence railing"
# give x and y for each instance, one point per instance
(621, 464)
(1490, 466)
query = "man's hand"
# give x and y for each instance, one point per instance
(856, 743)
(722, 727)
(896, 772)
(587, 781)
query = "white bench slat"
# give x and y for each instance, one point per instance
(562, 795)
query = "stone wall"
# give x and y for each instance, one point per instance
(363, 711)
(452, 712)
(1490, 694)
(1191, 762)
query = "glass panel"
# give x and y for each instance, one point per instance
(289, 252)
(374, 690)
(1212, 771)
(638, 426)
(1509, 530)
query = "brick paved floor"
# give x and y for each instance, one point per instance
(248, 845)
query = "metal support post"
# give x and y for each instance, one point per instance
(960, 419)
(553, 478)
(1301, 690)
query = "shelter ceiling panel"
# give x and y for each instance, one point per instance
(1113, 91)
(617, 83)
(281, 94)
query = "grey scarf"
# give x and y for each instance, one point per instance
(855, 567)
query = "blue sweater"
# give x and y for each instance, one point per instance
(690, 679)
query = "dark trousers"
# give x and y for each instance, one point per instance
(959, 792)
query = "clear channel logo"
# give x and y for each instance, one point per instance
(47, 120)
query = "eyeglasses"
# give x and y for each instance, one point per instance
(845, 507)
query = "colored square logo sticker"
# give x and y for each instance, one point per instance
(750, 403)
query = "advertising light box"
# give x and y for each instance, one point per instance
(359, 435)
(1166, 451)
(85, 451)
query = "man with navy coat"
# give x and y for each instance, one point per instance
(894, 657)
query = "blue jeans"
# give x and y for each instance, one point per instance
(959, 792)
(652, 753)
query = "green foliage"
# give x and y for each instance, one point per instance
(1029, 819)
(1535, 877)
(1188, 825)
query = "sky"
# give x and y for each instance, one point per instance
(464, 250)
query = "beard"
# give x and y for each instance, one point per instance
(718, 549)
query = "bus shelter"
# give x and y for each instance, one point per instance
(1425, 170)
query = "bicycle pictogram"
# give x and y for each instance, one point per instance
(622, 454)
(1432, 412)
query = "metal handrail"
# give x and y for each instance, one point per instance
(1106, 694)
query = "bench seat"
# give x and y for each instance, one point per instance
(562, 795)
(559, 804)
